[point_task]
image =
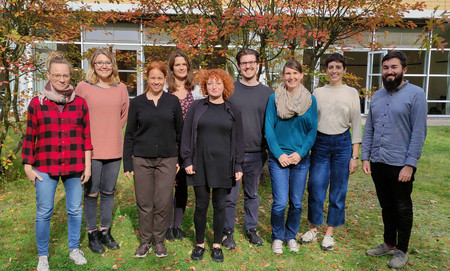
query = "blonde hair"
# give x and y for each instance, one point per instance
(57, 57)
(91, 75)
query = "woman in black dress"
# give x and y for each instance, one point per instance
(212, 149)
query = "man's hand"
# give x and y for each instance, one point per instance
(190, 170)
(238, 175)
(405, 174)
(128, 174)
(85, 175)
(366, 167)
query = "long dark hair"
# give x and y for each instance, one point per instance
(189, 83)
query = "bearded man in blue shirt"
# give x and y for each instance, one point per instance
(393, 138)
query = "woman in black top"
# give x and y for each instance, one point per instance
(151, 155)
(212, 148)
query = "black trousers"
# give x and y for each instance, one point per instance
(201, 208)
(396, 204)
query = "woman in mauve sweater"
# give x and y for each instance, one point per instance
(335, 153)
(108, 101)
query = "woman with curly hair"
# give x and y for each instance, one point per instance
(212, 149)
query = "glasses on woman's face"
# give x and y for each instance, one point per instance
(101, 63)
(59, 76)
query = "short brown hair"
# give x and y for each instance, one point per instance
(218, 74)
(155, 65)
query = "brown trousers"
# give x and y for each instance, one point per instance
(153, 183)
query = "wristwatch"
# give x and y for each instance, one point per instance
(355, 157)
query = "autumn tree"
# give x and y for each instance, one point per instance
(23, 25)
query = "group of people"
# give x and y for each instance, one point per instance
(212, 136)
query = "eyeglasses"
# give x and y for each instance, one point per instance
(250, 63)
(58, 76)
(100, 64)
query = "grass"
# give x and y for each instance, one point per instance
(429, 247)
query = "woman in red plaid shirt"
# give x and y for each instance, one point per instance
(57, 145)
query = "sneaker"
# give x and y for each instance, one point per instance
(277, 246)
(293, 246)
(108, 240)
(43, 264)
(179, 233)
(169, 234)
(308, 237)
(398, 260)
(228, 241)
(217, 254)
(381, 250)
(160, 250)
(327, 243)
(142, 250)
(197, 253)
(77, 256)
(94, 242)
(254, 238)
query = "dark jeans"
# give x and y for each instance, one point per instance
(253, 164)
(330, 158)
(153, 183)
(103, 181)
(201, 208)
(396, 204)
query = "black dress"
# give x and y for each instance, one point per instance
(214, 149)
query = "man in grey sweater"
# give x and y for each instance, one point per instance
(251, 97)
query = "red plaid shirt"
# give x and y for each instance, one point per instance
(55, 142)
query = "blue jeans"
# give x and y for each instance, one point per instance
(45, 197)
(330, 158)
(288, 184)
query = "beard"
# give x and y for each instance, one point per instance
(392, 86)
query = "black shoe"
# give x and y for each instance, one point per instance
(254, 238)
(228, 241)
(169, 234)
(217, 254)
(178, 233)
(108, 240)
(94, 242)
(197, 253)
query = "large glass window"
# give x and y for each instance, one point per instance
(117, 32)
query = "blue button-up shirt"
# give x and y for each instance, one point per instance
(396, 126)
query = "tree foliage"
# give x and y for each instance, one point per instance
(23, 25)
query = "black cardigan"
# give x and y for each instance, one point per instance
(152, 131)
(189, 135)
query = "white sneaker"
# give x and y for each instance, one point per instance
(77, 256)
(309, 237)
(43, 264)
(327, 243)
(277, 246)
(293, 246)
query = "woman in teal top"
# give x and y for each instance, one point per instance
(290, 127)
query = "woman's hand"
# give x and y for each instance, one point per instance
(31, 174)
(353, 167)
(85, 175)
(284, 160)
(190, 170)
(128, 174)
(295, 158)
(178, 168)
(238, 175)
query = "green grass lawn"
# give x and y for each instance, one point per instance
(429, 248)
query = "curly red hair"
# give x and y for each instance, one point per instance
(218, 74)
